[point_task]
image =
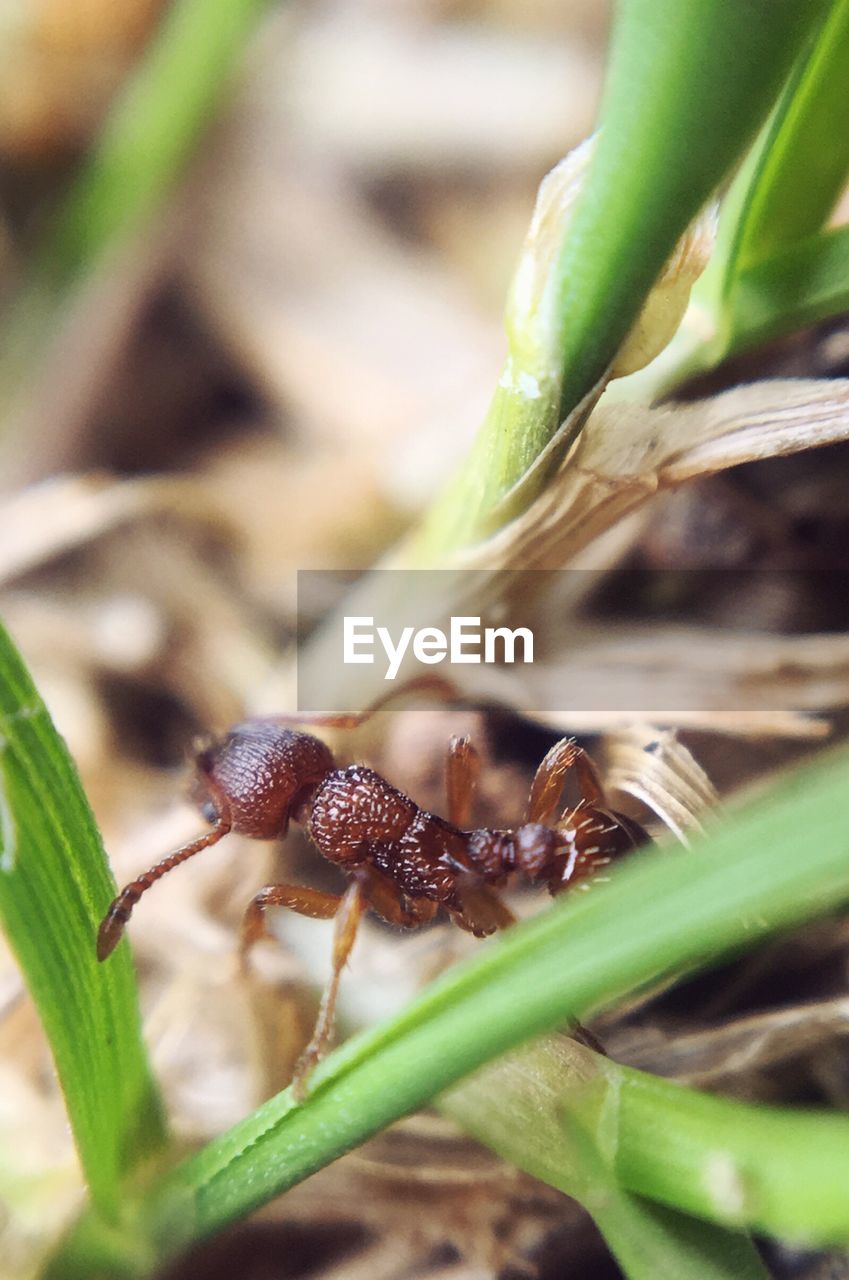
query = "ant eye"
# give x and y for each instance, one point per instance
(208, 810)
(199, 793)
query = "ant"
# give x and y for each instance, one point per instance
(402, 862)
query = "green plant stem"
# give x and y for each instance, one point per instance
(688, 85)
(774, 1168)
(561, 1112)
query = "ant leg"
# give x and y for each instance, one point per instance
(462, 770)
(350, 912)
(121, 908)
(478, 909)
(544, 799)
(395, 907)
(307, 902)
(438, 686)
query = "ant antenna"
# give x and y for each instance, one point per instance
(112, 926)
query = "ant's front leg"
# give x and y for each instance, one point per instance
(307, 902)
(547, 787)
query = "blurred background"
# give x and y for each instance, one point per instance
(255, 343)
(253, 259)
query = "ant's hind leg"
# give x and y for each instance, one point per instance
(350, 912)
(547, 787)
(478, 909)
(435, 686)
(388, 901)
(462, 770)
(307, 902)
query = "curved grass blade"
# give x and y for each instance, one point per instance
(782, 861)
(150, 132)
(54, 888)
(687, 87)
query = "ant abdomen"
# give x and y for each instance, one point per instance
(260, 775)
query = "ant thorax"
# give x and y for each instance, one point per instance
(354, 809)
(358, 818)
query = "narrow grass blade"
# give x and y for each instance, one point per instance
(800, 165)
(687, 87)
(150, 132)
(796, 286)
(772, 216)
(54, 888)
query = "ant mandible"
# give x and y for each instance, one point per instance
(402, 862)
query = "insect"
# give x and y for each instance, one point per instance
(402, 862)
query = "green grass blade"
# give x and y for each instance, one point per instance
(652, 1242)
(771, 217)
(781, 1170)
(648, 1240)
(689, 82)
(800, 165)
(798, 285)
(151, 131)
(784, 1171)
(555, 1110)
(780, 862)
(54, 887)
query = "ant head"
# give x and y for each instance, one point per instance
(260, 775)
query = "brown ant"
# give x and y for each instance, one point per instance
(402, 862)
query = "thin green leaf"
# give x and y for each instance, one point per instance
(781, 1170)
(779, 201)
(554, 1109)
(797, 286)
(800, 165)
(781, 862)
(54, 888)
(151, 131)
